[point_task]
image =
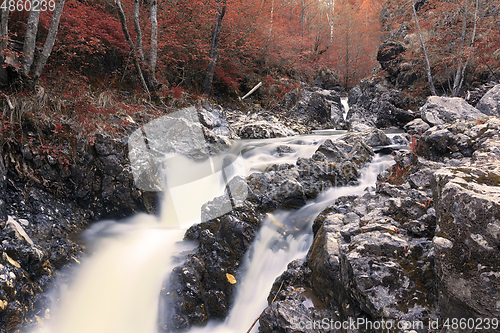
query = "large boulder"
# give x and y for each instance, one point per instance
(373, 137)
(454, 141)
(365, 261)
(441, 110)
(261, 126)
(467, 241)
(202, 286)
(333, 164)
(374, 104)
(388, 56)
(327, 79)
(490, 103)
(416, 127)
(318, 109)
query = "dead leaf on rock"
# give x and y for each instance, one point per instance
(230, 278)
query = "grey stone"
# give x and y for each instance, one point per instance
(489, 104)
(441, 110)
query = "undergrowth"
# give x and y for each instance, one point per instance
(399, 172)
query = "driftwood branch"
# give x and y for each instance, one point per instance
(255, 321)
(251, 91)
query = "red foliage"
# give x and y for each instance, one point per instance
(177, 92)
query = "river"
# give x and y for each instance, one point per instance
(116, 287)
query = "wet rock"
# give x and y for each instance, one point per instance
(374, 271)
(416, 127)
(316, 108)
(213, 118)
(401, 140)
(35, 244)
(373, 103)
(373, 137)
(490, 102)
(337, 152)
(365, 263)
(236, 192)
(441, 110)
(199, 289)
(293, 306)
(256, 126)
(280, 186)
(283, 150)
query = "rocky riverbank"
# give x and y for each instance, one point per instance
(422, 246)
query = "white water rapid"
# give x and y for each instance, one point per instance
(343, 100)
(116, 288)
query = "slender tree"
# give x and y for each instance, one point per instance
(137, 62)
(137, 25)
(459, 77)
(49, 41)
(4, 37)
(214, 52)
(154, 35)
(428, 66)
(30, 40)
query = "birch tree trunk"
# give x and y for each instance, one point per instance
(329, 18)
(50, 40)
(428, 66)
(123, 20)
(30, 40)
(4, 28)
(272, 18)
(4, 35)
(138, 30)
(458, 73)
(154, 36)
(221, 11)
(303, 17)
(462, 75)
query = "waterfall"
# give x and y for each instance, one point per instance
(266, 262)
(116, 288)
(343, 100)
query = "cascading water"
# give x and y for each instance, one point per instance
(116, 289)
(343, 100)
(272, 251)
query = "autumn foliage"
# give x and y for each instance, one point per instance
(448, 29)
(259, 37)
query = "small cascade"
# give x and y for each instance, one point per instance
(116, 288)
(345, 104)
(276, 246)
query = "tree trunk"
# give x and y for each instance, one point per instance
(123, 20)
(49, 42)
(154, 37)
(30, 40)
(4, 37)
(303, 17)
(271, 22)
(214, 48)
(138, 30)
(428, 66)
(458, 73)
(470, 49)
(4, 28)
